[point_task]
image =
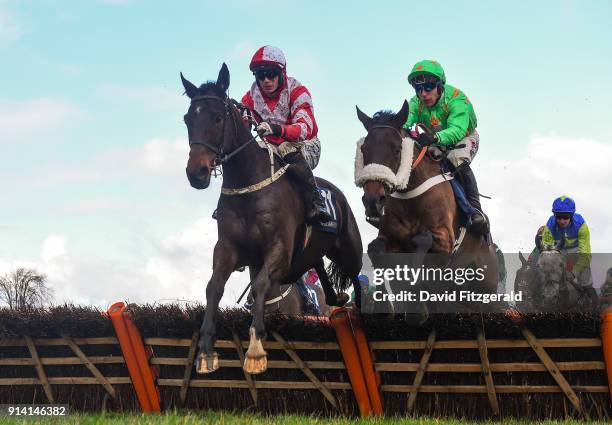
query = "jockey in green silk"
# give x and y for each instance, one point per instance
(448, 114)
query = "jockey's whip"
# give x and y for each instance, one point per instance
(243, 293)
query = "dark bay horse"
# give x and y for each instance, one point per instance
(261, 218)
(413, 205)
(289, 301)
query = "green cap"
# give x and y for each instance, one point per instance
(427, 67)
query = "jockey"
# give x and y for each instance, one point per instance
(565, 222)
(282, 108)
(448, 114)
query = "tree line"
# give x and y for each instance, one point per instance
(24, 288)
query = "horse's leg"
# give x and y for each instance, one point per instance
(275, 267)
(331, 297)
(224, 261)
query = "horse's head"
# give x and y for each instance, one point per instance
(552, 261)
(526, 274)
(205, 120)
(378, 157)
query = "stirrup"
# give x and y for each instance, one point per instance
(479, 226)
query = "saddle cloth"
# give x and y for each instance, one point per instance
(330, 206)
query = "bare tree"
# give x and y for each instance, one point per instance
(24, 288)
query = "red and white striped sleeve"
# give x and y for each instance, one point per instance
(247, 100)
(301, 124)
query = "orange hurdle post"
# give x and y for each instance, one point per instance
(340, 321)
(606, 340)
(135, 358)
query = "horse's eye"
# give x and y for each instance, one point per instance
(218, 119)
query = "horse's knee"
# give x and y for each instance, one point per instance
(421, 242)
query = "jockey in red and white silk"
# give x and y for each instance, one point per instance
(283, 110)
(290, 106)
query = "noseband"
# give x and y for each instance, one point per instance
(222, 157)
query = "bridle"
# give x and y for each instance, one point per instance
(385, 126)
(223, 157)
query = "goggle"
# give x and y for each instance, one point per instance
(269, 73)
(563, 216)
(424, 86)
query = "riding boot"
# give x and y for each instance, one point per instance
(315, 205)
(468, 181)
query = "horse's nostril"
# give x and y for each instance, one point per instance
(202, 172)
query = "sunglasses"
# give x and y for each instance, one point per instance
(424, 86)
(270, 74)
(563, 216)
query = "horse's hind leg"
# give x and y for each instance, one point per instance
(331, 297)
(224, 261)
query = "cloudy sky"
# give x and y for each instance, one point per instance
(93, 148)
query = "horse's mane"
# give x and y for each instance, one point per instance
(383, 117)
(210, 88)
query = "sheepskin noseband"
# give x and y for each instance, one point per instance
(382, 173)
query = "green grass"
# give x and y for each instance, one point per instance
(220, 418)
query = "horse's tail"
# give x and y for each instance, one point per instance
(340, 279)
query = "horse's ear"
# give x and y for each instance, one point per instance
(223, 80)
(190, 89)
(522, 258)
(365, 120)
(400, 118)
(539, 244)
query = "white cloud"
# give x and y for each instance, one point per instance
(177, 271)
(53, 247)
(25, 120)
(155, 157)
(162, 156)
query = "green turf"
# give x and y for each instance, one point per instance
(188, 418)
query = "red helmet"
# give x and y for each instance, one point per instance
(268, 55)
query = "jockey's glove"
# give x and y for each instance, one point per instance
(426, 139)
(267, 129)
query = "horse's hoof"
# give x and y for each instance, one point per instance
(255, 365)
(207, 363)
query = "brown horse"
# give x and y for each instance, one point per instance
(412, 202)
(261, 218)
